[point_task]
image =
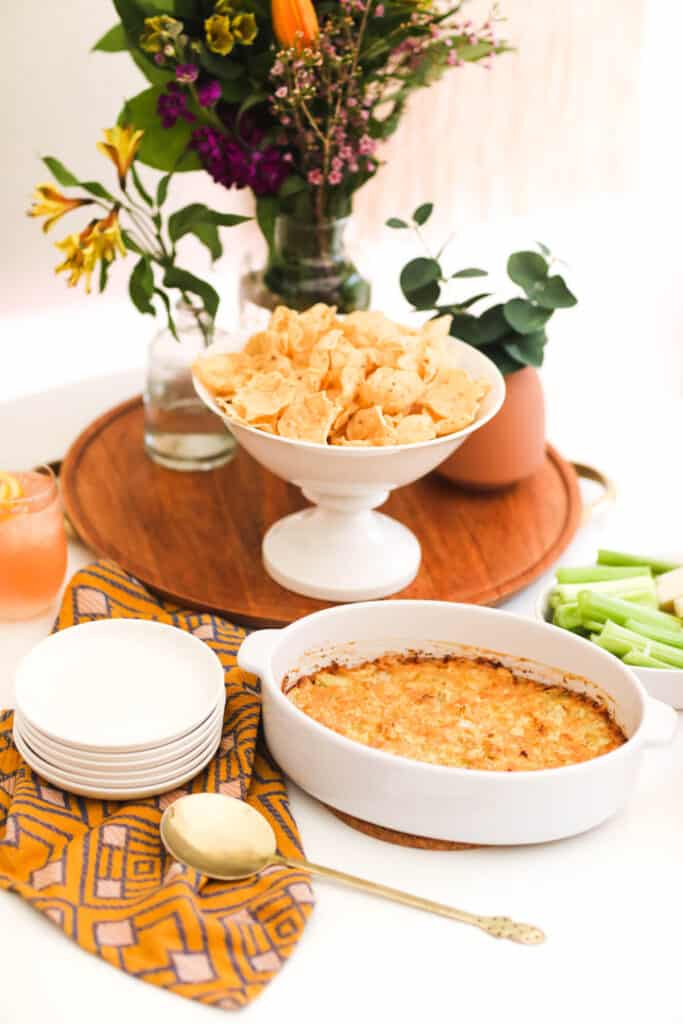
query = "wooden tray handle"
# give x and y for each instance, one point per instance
(609, 490)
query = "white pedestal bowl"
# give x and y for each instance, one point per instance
(340, 549)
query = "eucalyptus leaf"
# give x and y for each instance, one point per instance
(423, 213)
(112, 41)
(466, 327)
(473, 299)
(417, 274)
(141, 286)
(554, 294)
(524, 316)
(470, 272)
(175, 277)
(527, 269)
(527, 348)
(425, 297)
(492, 324)
(396, 222)
(544, 250)
(506, 363)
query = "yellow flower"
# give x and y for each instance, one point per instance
(99, 241)
(120, 145)
(158, 31)
(80, 258)
(106, 237)
(219, 38)
(49, 202)
(244, 28)
(295, 23)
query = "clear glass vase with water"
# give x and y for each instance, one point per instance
(180, 431)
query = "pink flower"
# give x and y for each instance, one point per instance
(281, 92)
(337, 163)
(452, 58)
(366, 146)
(379, 11)
(334, 177)
(277, 69)
(315, 177)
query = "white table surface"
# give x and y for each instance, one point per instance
(610, 901)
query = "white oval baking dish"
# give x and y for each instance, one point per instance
(487, 807)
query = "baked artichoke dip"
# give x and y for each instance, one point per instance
(457, 711)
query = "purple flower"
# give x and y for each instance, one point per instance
(236, 164)
(209, 93)
(172, 105)
(186, 73)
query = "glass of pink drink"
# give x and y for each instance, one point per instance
(33, 551)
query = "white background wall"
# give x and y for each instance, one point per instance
(574, 140)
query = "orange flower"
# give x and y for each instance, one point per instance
(295, 23)
(50, 203)
(120, 145)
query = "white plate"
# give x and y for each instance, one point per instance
(118, 684)
(73, 757)
(108, 776)
(113, 793)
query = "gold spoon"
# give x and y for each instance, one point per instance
(225, 838)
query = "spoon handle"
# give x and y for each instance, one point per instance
(499, 927)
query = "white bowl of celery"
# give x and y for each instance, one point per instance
(631, 606)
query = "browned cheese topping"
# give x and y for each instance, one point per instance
(458, 712)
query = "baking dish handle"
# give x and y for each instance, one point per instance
(659, 723)
(255, 650)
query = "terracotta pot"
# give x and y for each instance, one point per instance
(510, 447)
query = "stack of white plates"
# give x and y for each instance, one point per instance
(119, 708)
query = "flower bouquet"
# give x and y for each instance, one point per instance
(290, 100)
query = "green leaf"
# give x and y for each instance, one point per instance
(141, 286)
(130, 243)
(162, 189)
(396, 222)
(95, 189)
(423, 213)
(142, 191)
(292, 186)
(60, 172)
(187, 282)
(527, 348)
(506, 363)
(418, 273)
(466, 327)
(492, 325)
(169, 315)
(470, 272)
(473, 299)
(154, 74)
(525, 317)
(425, 297)
(267, 209)
(554, 294)
(545, 251)
(527, 269)
(104, 275)
(187, 218)
(208, 236)
(252, 100)
(112, 41)
(161, 147)
(225, 68)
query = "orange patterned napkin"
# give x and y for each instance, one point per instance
(98, 870)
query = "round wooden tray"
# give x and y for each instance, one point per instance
(196, 537)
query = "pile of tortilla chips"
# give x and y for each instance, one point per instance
(362, 380)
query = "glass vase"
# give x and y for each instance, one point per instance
(180, 431)
(309, 263)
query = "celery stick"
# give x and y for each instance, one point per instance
(618, 647)
(597, 573)
(554, 600)
(630, 585)
(600, 607)
(643, 660)
(568, 616)
(665, 636)
(663, 652)
(591, 625)
(606, 557)
(647, 599)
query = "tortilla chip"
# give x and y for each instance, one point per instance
(308, 418)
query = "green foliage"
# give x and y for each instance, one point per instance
(68, 179)
(267, 209)
(141, 286)
(511, 333)
(112, 41)
(163, 148)
(175, 277)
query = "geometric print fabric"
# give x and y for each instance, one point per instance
(98, 869)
